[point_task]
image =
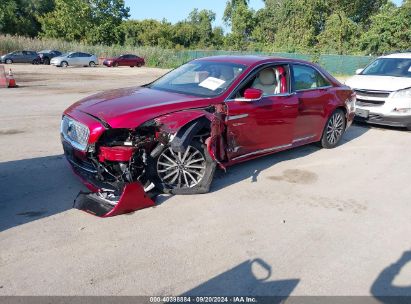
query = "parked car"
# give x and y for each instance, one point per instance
(124, 60)
(168, 136)
(47, 55)
(384, 91)
(74, 59)
(21, 57)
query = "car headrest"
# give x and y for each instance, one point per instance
(267, 77)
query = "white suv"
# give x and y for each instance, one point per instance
(384, 91)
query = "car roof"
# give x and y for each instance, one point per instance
(249, 59)
(398, 55)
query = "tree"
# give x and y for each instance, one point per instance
(241, 18)
(299, 24)
(202, 21)
(389, 30)
(339, 35)
(92, 21)
(20, 17)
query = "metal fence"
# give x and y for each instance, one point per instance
(335, 64)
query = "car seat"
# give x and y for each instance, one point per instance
(266, 82)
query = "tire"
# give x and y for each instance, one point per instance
(9, 61)
(334, 130)
(64, 64)
(139, 65)
(131, 66)
(46, 61)
(92, 64)
(183, 180)
(35, 61)
(115, 65)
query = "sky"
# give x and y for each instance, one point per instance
(177, 10)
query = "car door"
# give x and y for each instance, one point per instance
(17, 57)
(122, 60)
(73, 59)
(260, 126)
(313, 93)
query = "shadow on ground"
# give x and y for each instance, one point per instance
(384, 288)
(251, 169)
(250, 278)
(35, 188)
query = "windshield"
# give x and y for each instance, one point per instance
(398, 67)
(200, 78)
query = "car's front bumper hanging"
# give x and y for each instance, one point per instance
(133, 198)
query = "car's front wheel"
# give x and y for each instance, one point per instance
(334, 130)
(9, 61)
(92, 64)
(189, 172)
(46, 61)
(64, 64)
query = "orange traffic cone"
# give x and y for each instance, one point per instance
(11, 80)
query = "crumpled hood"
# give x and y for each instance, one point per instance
(378, 83)
(130, 107)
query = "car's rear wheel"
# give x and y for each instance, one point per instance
(9, 61)
(139, 65)
(64, 64)
(188, 172)
(92, 64)
(334, 130)
(46, 61)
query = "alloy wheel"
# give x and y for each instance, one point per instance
(335, 128)
(181, 170)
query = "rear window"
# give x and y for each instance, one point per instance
(306, 78)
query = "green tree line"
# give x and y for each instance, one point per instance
(305, 26)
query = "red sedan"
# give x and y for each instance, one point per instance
(124, 60)
(130, 144)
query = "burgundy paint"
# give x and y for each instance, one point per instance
(116, 154)
(273, 121)
(253, 93)
(133, 198)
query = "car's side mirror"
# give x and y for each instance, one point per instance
(359, 71)
(252, 94)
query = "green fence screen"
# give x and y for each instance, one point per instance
(335, 64)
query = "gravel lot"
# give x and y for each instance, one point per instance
(301, 222)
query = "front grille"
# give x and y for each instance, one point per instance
(368, 93)
(369, 98)
(75, 133)
(368, 103)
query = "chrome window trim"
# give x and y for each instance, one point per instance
(279, 62)
(313, 89)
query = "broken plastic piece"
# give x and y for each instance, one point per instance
(133, 198)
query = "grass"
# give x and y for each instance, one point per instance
(166, 58)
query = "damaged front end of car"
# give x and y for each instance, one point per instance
(118, 165)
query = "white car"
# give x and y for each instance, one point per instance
(74, 59)
(384, 91)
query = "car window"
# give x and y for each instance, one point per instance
(18, 53)
(272, 80)
(306, 78)
(398, 67)
(200, 78)
(132, 56)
